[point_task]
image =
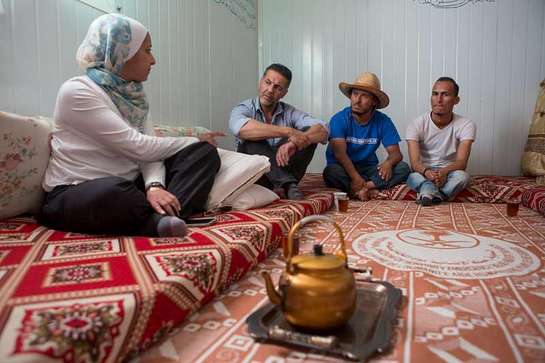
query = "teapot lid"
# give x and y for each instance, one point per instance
(318, 260)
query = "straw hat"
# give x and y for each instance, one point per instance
(367, 82)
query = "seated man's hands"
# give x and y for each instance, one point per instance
(439, 177)
(284, 153)
(210, 137)
(356, 185)
(300, 139)
(385, 170)
(163, 202)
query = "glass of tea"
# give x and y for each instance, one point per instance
(512, 207)
(295, 251)
(343, 204)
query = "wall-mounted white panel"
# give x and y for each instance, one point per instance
(206, 53)
(494, 49)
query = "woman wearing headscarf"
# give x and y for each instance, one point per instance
(107, 174)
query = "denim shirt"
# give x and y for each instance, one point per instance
(284, 115)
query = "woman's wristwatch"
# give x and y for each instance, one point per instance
(154, 185)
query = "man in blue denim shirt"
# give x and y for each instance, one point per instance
(287, 136)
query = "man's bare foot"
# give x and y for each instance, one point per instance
(373, 193)
(363, 194)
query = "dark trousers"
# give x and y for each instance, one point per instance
(279, 176)
(114, 205)
(336, 177)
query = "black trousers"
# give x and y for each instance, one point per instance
(114, 205)
(278, 176)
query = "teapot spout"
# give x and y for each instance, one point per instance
(274, 296)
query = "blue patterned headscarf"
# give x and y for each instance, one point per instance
(111, 41)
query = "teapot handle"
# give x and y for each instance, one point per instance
(314, 218)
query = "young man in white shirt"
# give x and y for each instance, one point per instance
(439, 144)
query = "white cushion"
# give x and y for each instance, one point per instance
(24, 153)
(237, 173)
(254, 197)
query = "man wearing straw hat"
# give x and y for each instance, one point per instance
(356, 132)
(439, 144)
(287, 136)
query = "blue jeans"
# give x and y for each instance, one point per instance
(457, 181)
(335, 176)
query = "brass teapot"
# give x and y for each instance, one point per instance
(316, 291)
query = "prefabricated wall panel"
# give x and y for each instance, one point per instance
(494, 49)
(206, 54)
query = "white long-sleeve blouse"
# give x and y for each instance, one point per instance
(91, 140)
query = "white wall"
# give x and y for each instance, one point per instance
(206, 55)
(494, 49)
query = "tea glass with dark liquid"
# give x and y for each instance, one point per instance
(295, 247)
(343, 204)
(512, 207)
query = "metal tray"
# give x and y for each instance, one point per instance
(368, 331)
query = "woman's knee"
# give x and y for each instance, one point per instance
(213, 156)
(208, 154)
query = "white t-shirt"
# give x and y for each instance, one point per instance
(91, 140)
(438, 146)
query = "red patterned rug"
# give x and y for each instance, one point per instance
(483, 189)
(67, 297)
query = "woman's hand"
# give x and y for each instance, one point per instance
(163, 202)
(210, 137)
